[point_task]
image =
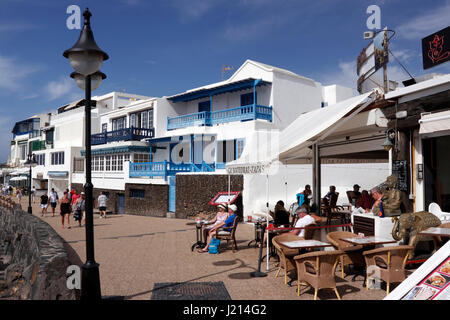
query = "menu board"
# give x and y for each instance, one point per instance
(400, 169)
(435, 286)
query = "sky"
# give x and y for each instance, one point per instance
(164, 47)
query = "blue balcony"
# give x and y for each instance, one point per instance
(126, 134)
(165, 169)
(208, 118)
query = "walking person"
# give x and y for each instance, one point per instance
(80, 209)
(65, 209)
(19, 195)
(33, 193)
(102, 204)
(44, 204)
(53, 200)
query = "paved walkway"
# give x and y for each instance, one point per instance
(135, 252)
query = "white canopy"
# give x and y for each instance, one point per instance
(20, 171)
(18, 178)
(435, 124)
(316, 125)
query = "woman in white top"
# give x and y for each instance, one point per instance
(221, 216)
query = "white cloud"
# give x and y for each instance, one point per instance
(12, 73)
(16, 26)
(425, 23)
(64, 87)
(194, 9)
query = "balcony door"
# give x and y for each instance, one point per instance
(204, 106)
(247, 99)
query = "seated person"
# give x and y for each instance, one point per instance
(327, 197)
(221, 216)
(377, 205)
(353, 196)
(281, 215)
(365, 201)
(304, 219)
(226, 224)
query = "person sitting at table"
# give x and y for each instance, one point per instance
(307, 194)
(226, 225)
(365, 201)
(353, 196)
(327, 198)
(221, 216)
(305, 218)
(281, 215)
(377, 207)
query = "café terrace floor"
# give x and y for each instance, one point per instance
(135, 252)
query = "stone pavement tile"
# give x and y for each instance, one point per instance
(135, 252)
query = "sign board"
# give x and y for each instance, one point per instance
(436, 48)
(400, 169)
(224, 198)
(431, 281)
(381, 52)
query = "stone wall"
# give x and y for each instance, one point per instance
(154, 203)
(193, 192)
(34, 260)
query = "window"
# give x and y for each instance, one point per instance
(204, 106)
(40, 159)
(120, 162)
(229, 150)
(23, 148)
(142, 119)
(114, 163)
(78, 164)
(57, 158)
(141, 157)
(104, 127)
(101, 163)
(108, 163)
(119, 123)
(137, 193)
(247, 99)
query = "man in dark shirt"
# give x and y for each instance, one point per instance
(44, 204)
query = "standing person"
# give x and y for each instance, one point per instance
(65, 209)
(74, 199)
(19, 194)
(53, 200)
(102, 204)
(44, 204)
(33, 193)
(69, 194)
(80, 209)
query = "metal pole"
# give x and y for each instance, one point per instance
(90, 277)
(30, 210)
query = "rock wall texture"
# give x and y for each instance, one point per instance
(195, 191)
(33, 259)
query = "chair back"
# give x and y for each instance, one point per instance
(335, 237)
(235, 224)
(333, 199)
(309, 233)
(320, 264)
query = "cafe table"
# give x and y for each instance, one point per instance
(436, 233)
(199, 230)
(305, 244)
(369, 241)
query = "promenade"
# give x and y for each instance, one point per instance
(135, 252)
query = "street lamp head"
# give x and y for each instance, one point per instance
(96, 79)
(390, 140)
(85, 56)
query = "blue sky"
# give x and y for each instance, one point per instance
(159, 48)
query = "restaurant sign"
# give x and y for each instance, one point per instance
(436, 48)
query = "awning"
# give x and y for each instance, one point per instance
(20, 171)
(435, 124)
(211, 91)
(18, 178)
(57, 174)
(315, 126)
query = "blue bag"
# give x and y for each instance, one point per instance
(214, 246)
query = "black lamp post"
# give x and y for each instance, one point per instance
(86, 58)
(31, 160)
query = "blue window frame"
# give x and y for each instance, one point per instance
(247, 99)
(204, 106)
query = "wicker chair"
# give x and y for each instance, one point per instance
(229, 235)
(286, 254)
(352, 254)
(317, 269)
(388, 262)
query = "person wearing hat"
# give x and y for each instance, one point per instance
(80, 209)
(220, 217)
(226, 225)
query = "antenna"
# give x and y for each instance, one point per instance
(224, 69)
